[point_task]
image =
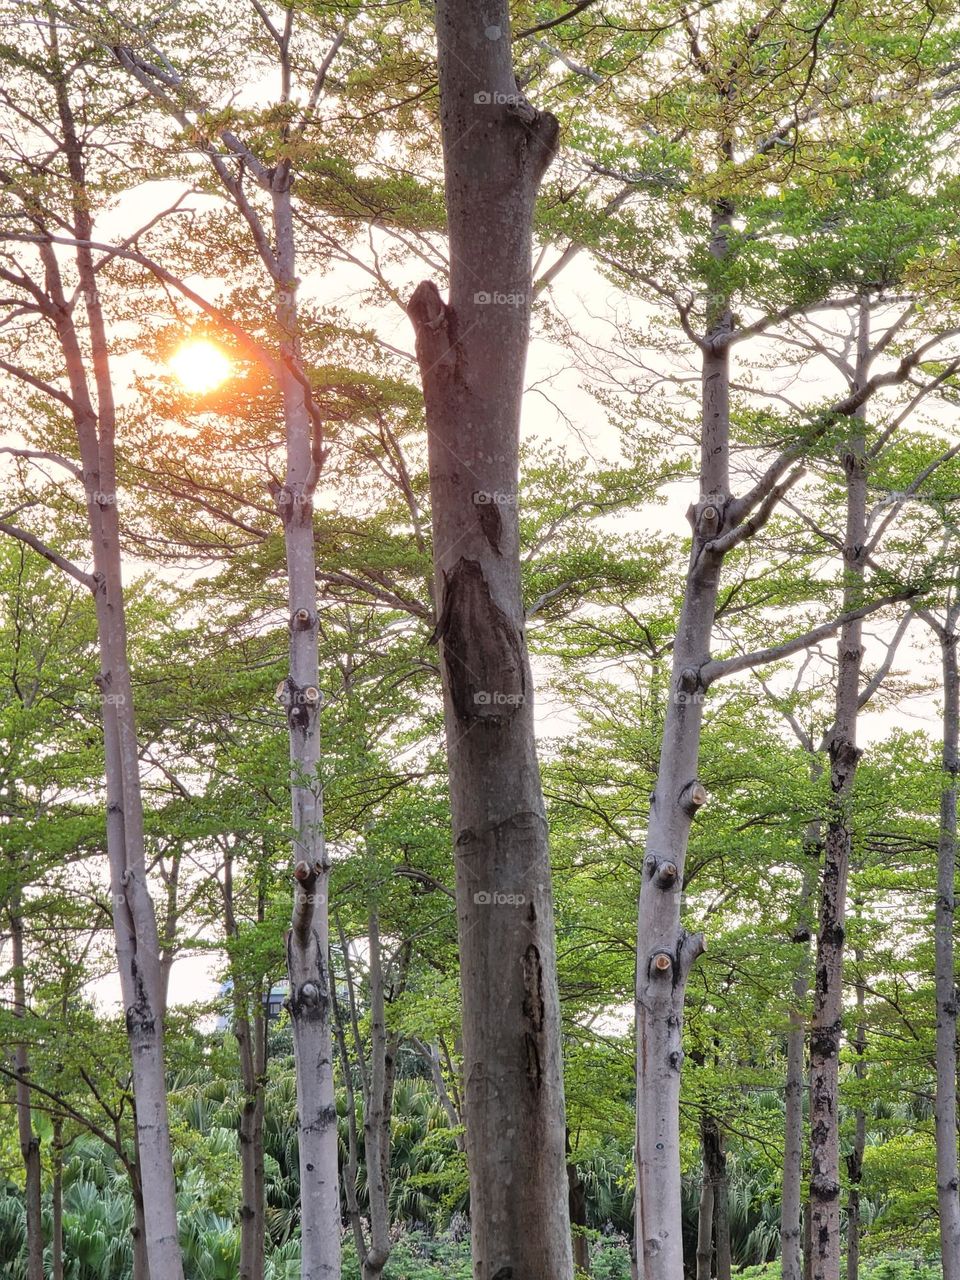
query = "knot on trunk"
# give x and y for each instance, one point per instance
(661, 870)
(300, 701)
(693, 797)
(433, 325)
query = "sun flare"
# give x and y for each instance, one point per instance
(200, 366)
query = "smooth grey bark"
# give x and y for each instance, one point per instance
(29, 1141)
(791, 1207)
(945, 1105)
(472, 352)
(844, 755)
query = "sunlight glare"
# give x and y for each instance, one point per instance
(200, 366)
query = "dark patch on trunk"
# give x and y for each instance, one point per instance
(490, 520)
(482, 649)
(533, 1007)
(534, 1069)
(309, 1000)
(139, 1016)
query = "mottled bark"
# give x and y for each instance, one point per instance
(665, 951)
(855, 1156)
(472, 353)
(844, 755)
(791, 1242)
(308, 938)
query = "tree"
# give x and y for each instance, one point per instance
(472, 352)
(59, 103)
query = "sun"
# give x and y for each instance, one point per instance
(200, 366)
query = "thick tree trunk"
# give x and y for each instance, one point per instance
(472, 353)
(827, 1019)
(948, 1176)
(308, 938)
(791, 1242)
(29, 1142)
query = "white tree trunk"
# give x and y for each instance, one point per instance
(827, 1021)
(308, 939)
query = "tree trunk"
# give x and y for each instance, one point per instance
(665, 951)
(791, 1243)
(56, 1196)
(135, 924)
(378, 1106)
(715, 1172)
(855, 1158)
(308, 938)
(251, 1038)
(827, 1018)
(472, 353)
(141, 1262)
(29, 1142)
(807, 1242)
(705, 1226)
(945, 1111)
(249, 1028)
(578, 1220)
